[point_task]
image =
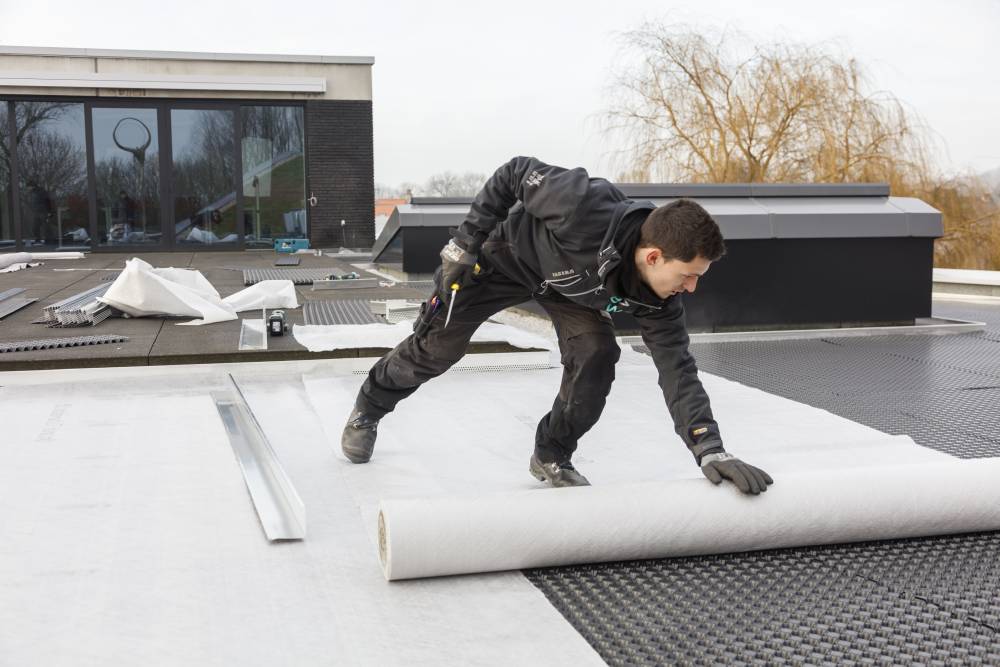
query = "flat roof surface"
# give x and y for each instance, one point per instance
(155, 341)
(85, 509)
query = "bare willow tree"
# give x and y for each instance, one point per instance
(717, 109)
(692, 106)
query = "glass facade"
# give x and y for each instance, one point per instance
(204, 176)
(52, 175)
(7, 239)
(159, 174)
(274, 183)
(127, 176)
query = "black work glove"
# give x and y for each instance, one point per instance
(457, 267)
(723, 465)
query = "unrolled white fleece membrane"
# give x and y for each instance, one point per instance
(836, 481)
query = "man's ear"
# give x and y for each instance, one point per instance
(652, 256)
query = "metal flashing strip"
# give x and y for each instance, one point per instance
(297, 276)
(253, 335)
(51, 343)
(344, 283)
(9, 306)
(131, 54)
(11, 292)
(147, 81)
(344, 311)
(281, 511)
(935, 325)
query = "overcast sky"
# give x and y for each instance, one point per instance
(464, 86)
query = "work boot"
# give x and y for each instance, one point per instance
(557, 474)
(358, 440)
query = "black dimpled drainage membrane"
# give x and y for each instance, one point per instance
(932, 601)
(344, 311)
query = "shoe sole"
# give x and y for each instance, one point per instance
(356, 457)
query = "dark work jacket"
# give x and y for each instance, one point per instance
(575, 236)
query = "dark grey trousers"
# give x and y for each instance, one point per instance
(586, 343)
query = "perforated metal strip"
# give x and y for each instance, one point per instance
(50, 343)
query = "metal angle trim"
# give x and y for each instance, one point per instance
(344, 284)
(253, 335)
(11, 292)
(281, 511)
(13, 305)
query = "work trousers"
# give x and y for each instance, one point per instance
(586, 343)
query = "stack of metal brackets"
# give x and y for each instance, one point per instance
(396, 310)
(9, 305)
(79, 310)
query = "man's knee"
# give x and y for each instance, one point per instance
(593, 352)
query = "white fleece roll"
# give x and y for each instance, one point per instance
(549, 527)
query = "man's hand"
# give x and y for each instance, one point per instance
(746, 477)
(457, 266)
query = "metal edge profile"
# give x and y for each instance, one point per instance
(163, 82)
(11, 292)
(10, 306)
(281, 511)
(939, 326)
(356, 283)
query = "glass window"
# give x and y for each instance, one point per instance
(127, 170)
(6, 223)
(274, 182)
(52, 175)
(204, 176)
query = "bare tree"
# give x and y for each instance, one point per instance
(712, 107)
(448, 184)
(718, 109)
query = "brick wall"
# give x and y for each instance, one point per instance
(341, 173)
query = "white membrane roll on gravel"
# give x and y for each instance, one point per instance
(549, 527)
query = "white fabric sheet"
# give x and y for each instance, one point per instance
(128, 531)
(15, 261)
(326, 337)
(130, 539)
(632, 444)
(264, 294)
(143, 291)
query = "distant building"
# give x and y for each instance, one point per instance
(120, 150)
(383, 209)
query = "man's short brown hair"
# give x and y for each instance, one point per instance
(683, 230)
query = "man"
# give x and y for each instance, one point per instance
(583, 250)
